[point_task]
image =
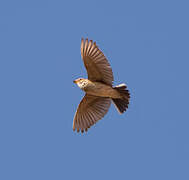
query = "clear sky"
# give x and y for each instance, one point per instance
(147, 45)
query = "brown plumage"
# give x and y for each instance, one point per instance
(98, 88)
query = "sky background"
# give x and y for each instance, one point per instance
(147, 45)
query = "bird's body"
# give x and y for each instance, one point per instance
(98, 88)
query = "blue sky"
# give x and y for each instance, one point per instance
(146, 43)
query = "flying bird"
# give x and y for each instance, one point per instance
(98, 88)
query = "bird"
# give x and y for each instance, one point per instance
(98, 88)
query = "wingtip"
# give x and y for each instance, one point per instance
(82, 130)
(84, 39)
(87, 40)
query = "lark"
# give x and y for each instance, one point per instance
(98, 88)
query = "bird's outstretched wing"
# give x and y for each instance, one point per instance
(90, 110)
(97, 65)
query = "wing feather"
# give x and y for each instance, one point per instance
(90, 110)
(98, 67)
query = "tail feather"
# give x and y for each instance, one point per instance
(122, 103)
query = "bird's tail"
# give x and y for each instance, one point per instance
(122, 103)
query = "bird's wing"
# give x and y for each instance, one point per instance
(97, 65)
(90, 110)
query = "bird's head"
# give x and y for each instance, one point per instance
(81, 82)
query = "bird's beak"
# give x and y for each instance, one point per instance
(74, 81)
